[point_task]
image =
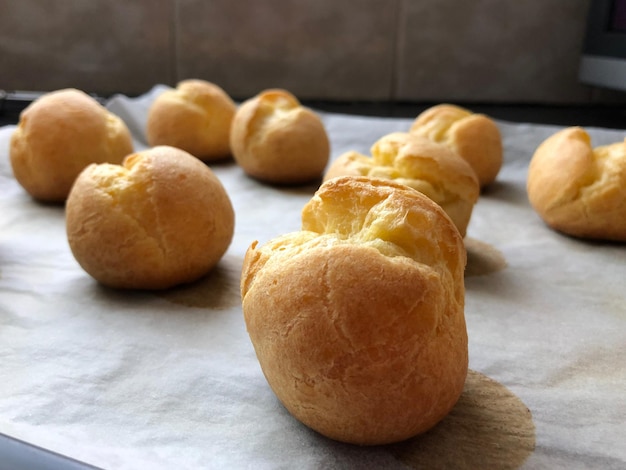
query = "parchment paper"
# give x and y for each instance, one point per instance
(133, 380)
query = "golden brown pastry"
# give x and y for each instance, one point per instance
(358, 320)
(160, 219)
(431, 168)
(195, 117)
(277, 140)
(58, 135)
(579, 190)
(475, 137)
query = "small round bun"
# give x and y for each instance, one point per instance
(579, 190)
(195, 117)
(58, 135)
(475, 137)
(358, 320)
(276, 140)
(431, 168)
(160, 219)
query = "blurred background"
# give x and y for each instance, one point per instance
(384, 57)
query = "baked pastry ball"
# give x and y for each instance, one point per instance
(195, 117)
(160, 219)
(431, 168)
(475, 137)
(58, 135)
(276, 140)
(577, 189)
(358, 320)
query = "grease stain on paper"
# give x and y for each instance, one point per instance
(489, 427)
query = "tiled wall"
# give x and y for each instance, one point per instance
(486, 51)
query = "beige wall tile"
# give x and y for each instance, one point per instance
(100, 46)
(491, 51)
(486, 51)
(323, 49)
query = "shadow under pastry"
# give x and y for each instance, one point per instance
(489, 427)
(482, 258)
(218, 290)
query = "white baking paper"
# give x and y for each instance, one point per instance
(169, 380)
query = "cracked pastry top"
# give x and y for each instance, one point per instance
(417, 162)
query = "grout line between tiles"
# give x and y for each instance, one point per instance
(398, 37)
(173, 55)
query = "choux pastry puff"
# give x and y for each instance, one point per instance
(577, 189)
(431, 168)
(358, 320)
(195, 117)
(276, 140)
(58, 135)
(475, 137)
(160, 219)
